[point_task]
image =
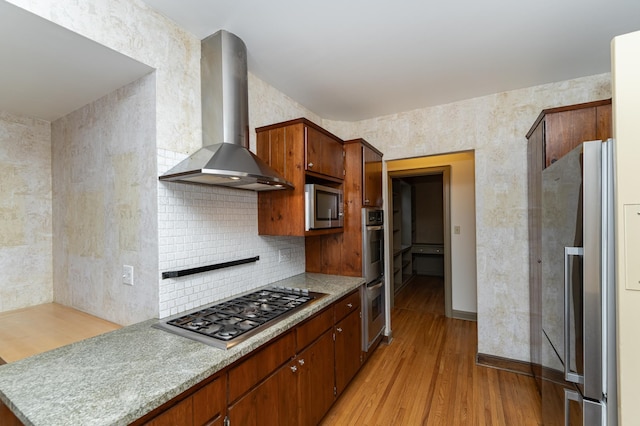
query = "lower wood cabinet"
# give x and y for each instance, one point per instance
(291, 381)
(269, 404)
(204, 407)
(7, 418)
(315, 369)
(348, 347)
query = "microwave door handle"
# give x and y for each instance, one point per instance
(568, 374)
(374, 228)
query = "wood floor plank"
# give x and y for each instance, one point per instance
(29, 331)
(428, 374)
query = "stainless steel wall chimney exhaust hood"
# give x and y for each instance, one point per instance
(225, 158)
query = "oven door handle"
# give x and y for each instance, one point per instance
(375, 228)
(376, 286)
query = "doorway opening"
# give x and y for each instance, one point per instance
(442, 251)
(420, 230)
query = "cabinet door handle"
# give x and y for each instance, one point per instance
(294, 368)
(366, 201)
(339, 330)
(349, 305)
(310, 165)
(301, 362)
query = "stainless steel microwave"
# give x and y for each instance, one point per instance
(323, 207)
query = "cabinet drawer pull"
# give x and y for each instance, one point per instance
(301, 362)
(349, 305)
(339, 330)
(366, 201)
(294, 368)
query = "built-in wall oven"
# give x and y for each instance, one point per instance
(373, 272)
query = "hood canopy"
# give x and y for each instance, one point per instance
(225, 159)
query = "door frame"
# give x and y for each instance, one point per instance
(446, 211)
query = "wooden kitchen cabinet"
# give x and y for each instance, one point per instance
(292, 380)
(299, 393)
(348, 339)
(342, 254)
(555, 132)
(272, 403)
(202, 407)
(324, 153)
(260, 364)
(316, 392)
(363, 163)
(180, 414)
(563, 128)
(303, 153)
(7, 418)
(348, 350)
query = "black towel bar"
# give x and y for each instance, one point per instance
(184, 272)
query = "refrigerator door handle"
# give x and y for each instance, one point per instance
(569, 375)
(570, 395)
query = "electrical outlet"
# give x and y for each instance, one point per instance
(456, 229)
(284, 255)
(127, 274)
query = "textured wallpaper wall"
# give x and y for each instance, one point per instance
(495, 128)
(25, 212)
(105, 205)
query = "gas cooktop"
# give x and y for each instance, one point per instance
(228, 323)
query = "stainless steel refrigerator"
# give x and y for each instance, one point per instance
(578, 291)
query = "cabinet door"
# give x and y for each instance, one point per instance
(209, 402)
(316, 380)
(7, 418)
(348, 349)
(272, 403)
(372, 178)
(567, 129)
(604, 125)
(324, 154)
(260, 364)
(180, 414)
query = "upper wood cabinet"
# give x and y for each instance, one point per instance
(363, 164)
(302, 152)
(324, 153)
(564, 128)
(342, 254)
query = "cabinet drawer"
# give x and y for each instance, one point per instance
(259, 365)
(310, 330)
(346, 305)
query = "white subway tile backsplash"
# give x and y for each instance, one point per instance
(201, 225)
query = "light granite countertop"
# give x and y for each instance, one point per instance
(117, 377)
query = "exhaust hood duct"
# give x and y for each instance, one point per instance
(225, 159)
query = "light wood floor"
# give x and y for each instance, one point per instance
(428, 375)
(29, 331)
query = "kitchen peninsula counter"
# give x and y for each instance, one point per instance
(117, 377)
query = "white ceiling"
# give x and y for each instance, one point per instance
(47, 71)
(344, 60)
(355, 59)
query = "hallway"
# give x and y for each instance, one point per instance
(428, 375)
